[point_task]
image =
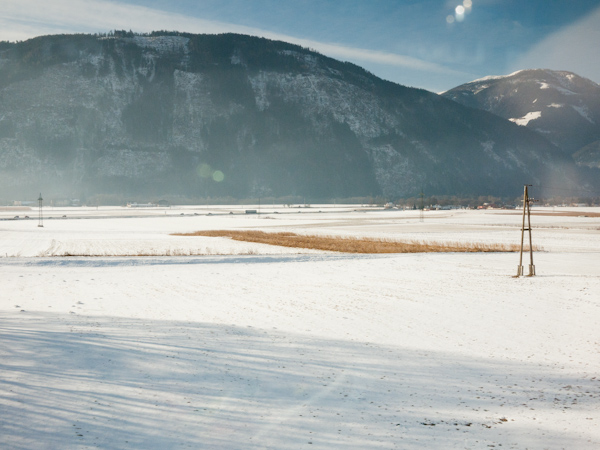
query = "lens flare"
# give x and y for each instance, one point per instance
(460, 13)
(204, 170)
(218, 176)
(450, 19)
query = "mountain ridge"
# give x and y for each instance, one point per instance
(235, 115)
(560, 105)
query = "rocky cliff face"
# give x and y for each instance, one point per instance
(233, 115)
(561, 106)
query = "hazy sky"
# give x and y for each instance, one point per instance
(432, 44)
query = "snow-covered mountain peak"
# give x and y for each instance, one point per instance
(496, 77)
(560, 105)
(563, 81)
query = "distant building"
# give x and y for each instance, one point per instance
(23, 203)
(141, 205)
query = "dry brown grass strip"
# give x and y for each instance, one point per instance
(352, 244)
(568, 214)
(562, 213)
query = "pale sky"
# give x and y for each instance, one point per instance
(431, 44)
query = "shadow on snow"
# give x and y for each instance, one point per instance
(104, 382)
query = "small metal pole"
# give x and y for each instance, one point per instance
(531, 266)
(520, 266)
(40, 217)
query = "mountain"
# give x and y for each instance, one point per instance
(561, 106)
(589, 155)
(232, 115)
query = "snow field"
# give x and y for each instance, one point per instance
(299, 350)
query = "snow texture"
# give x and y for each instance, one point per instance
(496, 77)
(257, 347)
(523, 121)
(583, 112)
(163, 44)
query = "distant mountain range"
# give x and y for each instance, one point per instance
(561, 106)
(145, 116)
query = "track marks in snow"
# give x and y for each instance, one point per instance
(228, 386)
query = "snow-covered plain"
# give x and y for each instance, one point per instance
(227, 345)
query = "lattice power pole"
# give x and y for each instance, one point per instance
(40, 217)
(526, 209)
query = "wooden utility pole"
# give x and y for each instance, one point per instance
(526, 209)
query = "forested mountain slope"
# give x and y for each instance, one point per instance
(240, 116)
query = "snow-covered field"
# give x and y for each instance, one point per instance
(219, 344)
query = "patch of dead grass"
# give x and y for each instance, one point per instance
(352, 244)
(562, 213)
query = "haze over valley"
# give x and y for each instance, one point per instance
(234, 116)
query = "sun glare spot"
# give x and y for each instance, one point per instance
(218, 176)
(204, 170)
(460, 11)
